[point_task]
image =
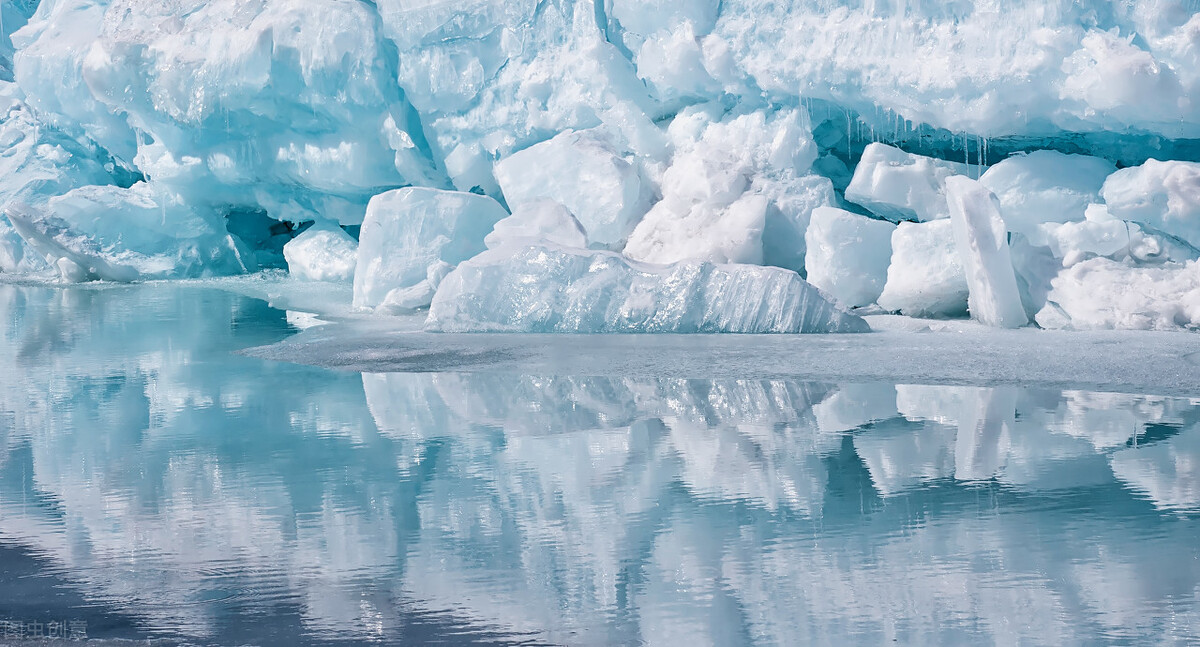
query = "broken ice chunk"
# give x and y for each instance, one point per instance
(898, 186)
(926, 276)
(848, 255)
(1045, 187)
(1102, 294)
(1162, 195)
(730, 175)
(553, 289)
(118, 234)
(323, 253)
(982, 242)
(583, 173)
(407, 232)
(542, 221)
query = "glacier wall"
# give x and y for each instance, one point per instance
(674, 132)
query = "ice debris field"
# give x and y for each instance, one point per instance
(619, 165)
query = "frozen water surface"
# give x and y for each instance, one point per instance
(158, 484)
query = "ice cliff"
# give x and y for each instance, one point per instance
(632, 141)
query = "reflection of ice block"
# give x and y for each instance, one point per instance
(900, 454)
(987, 420)
(1106, 420)
(1167, 472)
(935, 403)
(855, 405)
(774, 468)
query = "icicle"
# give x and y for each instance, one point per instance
(849, 137)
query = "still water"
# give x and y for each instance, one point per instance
(154, 485)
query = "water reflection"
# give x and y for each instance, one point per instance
(200, 492)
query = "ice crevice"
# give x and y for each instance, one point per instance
(1016, 163)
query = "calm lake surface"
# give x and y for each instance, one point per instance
(157, 486)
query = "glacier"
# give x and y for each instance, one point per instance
(195, 138)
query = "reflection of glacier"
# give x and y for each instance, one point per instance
(190, 487)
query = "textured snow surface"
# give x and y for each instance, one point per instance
(685, 132)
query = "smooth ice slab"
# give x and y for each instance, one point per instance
(926, 276)
(898, 186)
(982, 242)
(410, 234)
(582, 172)
(1045, 187)
(848, 255)
(543, 221)
(554, 289)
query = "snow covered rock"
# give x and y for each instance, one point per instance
(897, 186)
(848, 255)
(118, 234)
(559, 290)
(982, 242)
(727, 174)
(543, 221)
(1100, 294)
(1161, 195)
(322, 253)
(926, 276)
(410, 234)
(1045, 187)
(582, 172)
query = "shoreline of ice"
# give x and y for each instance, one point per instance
(900, 350)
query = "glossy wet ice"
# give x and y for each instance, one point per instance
(157, 485)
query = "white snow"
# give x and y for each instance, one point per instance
(1161, 195)
(725, 176)
(1104, 294)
